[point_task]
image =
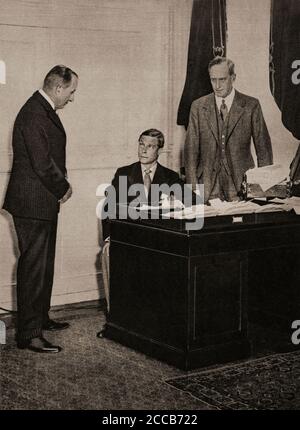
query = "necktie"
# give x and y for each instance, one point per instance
(147, 180)
(223, 110)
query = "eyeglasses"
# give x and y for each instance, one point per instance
(148, 146)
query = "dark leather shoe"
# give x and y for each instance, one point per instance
(52, 325)
(101, 333)
(39, 344)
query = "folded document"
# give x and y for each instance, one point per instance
(268, 176)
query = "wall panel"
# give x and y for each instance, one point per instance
(123, 52)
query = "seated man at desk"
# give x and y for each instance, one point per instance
(146, 171)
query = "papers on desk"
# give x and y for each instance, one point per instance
(222, 208)
(165, 203)
(174, 205)
(291, 203)
(210, 211)
(196, 211)
(243, 207)
(248, 207)
(227, 208)
(294, 202)
(272, 208)
(147, 208)
(233, 208)
(267, 176)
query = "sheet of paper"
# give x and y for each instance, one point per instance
(235, 208)
(174, 204)
(267, 176)
(196, 211)
(292, 203)
(273, 208)
(217, 203)
(294, 200)
(232, 208)
(147, 208)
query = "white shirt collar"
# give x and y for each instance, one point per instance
(228, 100)
(42, 92)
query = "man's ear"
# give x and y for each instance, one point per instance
(233, 77)
(58, 89)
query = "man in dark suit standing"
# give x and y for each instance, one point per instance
(218, 140)
(38, 185)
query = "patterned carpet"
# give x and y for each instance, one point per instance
(89, 373)
(92, 373)
(267, 383)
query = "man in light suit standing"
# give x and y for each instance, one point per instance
(38, 185)
(218, 140)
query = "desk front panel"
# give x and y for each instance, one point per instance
(149, 293)
(186, 297)
(219, 298)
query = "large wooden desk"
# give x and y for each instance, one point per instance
(186, 297)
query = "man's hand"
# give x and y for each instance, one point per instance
(66, 196)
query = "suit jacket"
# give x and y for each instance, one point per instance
(201, 147)
(133, 172)
(38, 176)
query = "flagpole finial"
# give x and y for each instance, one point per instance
(218, 51)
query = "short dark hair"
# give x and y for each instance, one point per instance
(59, 75)
(220, 60)
(153, 132)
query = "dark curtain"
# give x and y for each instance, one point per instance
(295, 167)
(207, 40)
(284, 50)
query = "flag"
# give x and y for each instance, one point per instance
(285, 61)
(208, 35)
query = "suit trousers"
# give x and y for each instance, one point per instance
(224, 187)
(37, 242)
